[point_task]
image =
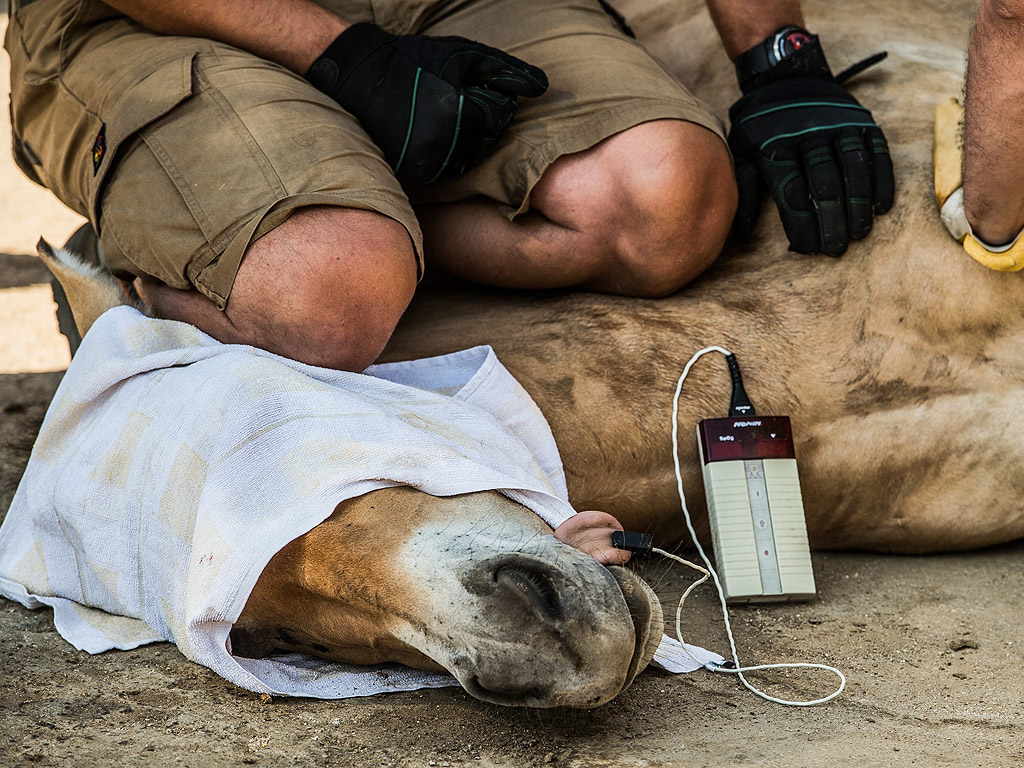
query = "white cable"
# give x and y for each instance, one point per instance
(710, 571)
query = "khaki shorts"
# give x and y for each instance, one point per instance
(182, 151)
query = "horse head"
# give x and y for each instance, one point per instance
(472, 584)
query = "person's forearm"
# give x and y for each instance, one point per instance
(742, 24)
(994, 123)
(292, 33)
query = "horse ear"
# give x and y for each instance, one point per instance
(90, 291)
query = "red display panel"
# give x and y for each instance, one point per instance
(755, 437)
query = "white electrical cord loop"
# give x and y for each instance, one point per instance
(710, 571)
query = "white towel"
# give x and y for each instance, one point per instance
(170, 468)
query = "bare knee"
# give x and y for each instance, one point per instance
(681, 209)
(327, 287)
(656, 203)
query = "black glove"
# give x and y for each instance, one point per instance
(819, 153)
(434, 105)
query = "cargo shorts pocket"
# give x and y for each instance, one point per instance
(51, 132)
(142, 104)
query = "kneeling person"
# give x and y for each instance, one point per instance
(275, 175)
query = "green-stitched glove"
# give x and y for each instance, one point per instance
(818, 152)
(434, 105)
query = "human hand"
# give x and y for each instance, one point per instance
(434, 105)
(820, 154)
(591, 532)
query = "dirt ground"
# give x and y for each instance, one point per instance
(932, 648)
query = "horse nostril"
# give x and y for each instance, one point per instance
(536, 586)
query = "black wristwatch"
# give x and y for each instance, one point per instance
(790, 52)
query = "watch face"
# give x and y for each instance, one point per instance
(788, 41)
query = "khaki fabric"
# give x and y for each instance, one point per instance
(182, 151)
(601, 82)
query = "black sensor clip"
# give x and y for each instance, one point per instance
(638, 543)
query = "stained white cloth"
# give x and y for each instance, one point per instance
(170, 468)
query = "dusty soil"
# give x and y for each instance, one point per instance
(932, 648)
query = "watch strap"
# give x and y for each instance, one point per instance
(774, 58)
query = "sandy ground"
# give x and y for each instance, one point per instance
(29, 341)
(932, 648)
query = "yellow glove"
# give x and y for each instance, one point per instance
(949, 193)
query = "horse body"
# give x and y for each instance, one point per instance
(901, 364)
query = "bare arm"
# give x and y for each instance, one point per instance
(742, 24)
(994, 123)
(292, 33)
